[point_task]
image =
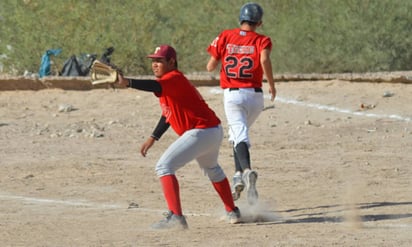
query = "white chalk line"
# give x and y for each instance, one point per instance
(85, 204)
(61, 202)
(329, 108)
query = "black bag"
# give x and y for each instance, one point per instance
(75, 66)
(105, 58)
(80, 66)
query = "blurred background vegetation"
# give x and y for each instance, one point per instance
(309, 36)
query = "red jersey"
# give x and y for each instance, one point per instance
(239, 53)
(182, 105)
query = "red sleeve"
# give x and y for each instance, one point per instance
(266, 43)
(216, 48)
(212, 49)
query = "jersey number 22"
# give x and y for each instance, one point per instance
(238, 67)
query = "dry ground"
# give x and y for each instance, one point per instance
(331, 173)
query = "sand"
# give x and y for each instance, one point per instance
(334, 160)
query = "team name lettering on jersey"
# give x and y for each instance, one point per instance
(236, 49)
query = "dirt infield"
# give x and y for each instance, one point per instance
(334, 162)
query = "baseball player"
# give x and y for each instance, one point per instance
(200, 135)
(245, 57)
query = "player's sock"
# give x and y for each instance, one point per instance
(223, 189)
(238, 167)
(171, 193)
(243, 155)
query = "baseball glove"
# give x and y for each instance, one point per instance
(103, 73)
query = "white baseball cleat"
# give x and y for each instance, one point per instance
(237, 187)
(250, 177)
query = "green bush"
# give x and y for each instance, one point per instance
(322, 36)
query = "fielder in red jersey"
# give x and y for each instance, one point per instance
(245, 57)
(182, 105)
(199, 130)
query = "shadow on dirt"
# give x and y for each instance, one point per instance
(342, 211)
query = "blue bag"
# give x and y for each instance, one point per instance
(45, 62)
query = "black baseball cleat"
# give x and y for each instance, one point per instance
(171, 221)
(233, 217)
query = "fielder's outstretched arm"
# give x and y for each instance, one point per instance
(144, 85)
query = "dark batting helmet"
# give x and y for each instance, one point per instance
(251, 12)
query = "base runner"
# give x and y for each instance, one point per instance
(245, 57)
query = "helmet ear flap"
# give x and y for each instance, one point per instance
(251, 12)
